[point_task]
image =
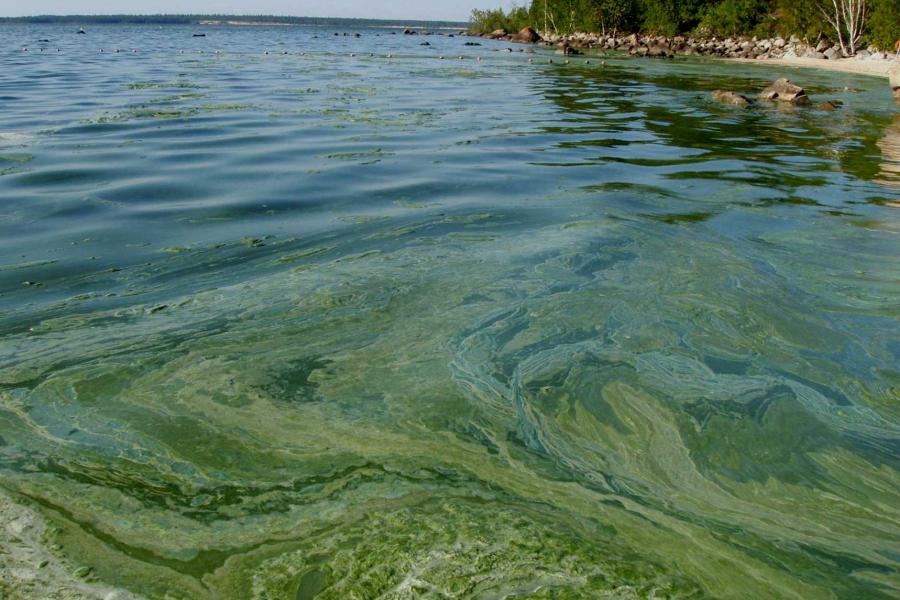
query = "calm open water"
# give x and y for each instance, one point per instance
(321, 326)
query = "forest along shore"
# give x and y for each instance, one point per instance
(775, 51)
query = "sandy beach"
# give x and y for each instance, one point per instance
(877, 68)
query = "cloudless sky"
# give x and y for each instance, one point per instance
(450, 10)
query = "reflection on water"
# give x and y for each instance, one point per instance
(321, 326)
(890, 150)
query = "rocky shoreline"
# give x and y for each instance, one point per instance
(737, 48)
(668, 47)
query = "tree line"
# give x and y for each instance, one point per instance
(869, 21)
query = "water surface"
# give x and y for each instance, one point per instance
(328, 324)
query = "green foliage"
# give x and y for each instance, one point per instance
(660, 16)
(486, 21)
(734, 17)
(801, 18)
(884, 24)
(613, 16)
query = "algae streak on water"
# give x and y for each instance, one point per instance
(415, 338)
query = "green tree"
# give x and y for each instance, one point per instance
(884, 24)
(734, 17)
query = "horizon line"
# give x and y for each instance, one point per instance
(244, 15)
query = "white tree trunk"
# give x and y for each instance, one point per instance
(848, 17)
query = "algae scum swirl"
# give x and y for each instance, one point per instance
(314, 325)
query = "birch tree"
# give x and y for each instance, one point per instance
(848, 18)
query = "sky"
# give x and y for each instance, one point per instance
(449, 10)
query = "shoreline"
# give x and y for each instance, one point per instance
(779, 52)
(872, 68)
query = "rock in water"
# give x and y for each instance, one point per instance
(728, 97)
(828, 105)
(785, 91)
(529, 36)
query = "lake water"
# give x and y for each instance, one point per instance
(314, 325)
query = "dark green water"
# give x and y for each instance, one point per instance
(357, 327)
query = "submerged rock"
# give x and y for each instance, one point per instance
(728, 97)
(828, 105)
(785, 91)
(567, 50)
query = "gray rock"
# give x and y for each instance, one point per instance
(727, 97)
(785, 91)
(816, 55)
(832, 54)
(528, 36)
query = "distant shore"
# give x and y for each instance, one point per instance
(235, 20)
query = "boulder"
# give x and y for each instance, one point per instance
(658, 49)
(728, 97)
(785, 91)
(567, 50)
(497, 34)
(832, 54)
(828, 105)
(816, 55)
(528, 36)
